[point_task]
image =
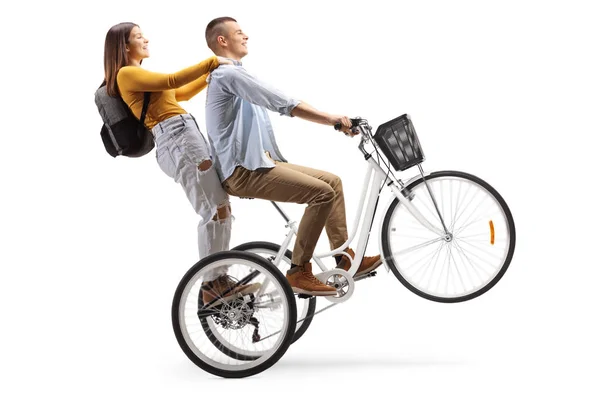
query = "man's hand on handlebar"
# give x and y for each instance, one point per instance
(344, 124)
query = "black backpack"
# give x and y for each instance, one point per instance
(122, 133)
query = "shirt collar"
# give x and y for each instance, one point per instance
(235, 62)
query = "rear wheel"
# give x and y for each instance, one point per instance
(305, 308)
(245, 334)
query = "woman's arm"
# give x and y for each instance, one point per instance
(188, 91)
(136, 79)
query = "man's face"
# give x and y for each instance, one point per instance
(236, 39)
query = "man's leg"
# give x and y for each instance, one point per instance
(335, 226)
(286, 185)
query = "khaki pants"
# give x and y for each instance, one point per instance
(320, 190)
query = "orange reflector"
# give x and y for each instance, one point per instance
(491, 232)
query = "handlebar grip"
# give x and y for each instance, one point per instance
(355, 123)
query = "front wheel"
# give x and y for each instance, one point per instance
(456, 267)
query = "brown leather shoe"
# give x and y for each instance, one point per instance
(367, 264)
(216, 289)
(304, 282)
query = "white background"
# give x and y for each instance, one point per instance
(92, 248)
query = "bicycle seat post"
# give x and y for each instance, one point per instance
(283, 214)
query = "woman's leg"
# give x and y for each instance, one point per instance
(204, 191)
(184, 155)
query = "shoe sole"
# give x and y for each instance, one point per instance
(252, 288)
(315, 293)
(366, 271)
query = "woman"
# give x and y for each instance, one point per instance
(182, 151)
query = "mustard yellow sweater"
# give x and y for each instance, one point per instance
(167, 89)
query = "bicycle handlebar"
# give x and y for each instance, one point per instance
(363, 128)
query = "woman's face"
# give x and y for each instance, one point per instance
(137, 48)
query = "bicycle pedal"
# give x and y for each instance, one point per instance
(370, 274)
(365, 276)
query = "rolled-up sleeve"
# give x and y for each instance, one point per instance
(239, 82)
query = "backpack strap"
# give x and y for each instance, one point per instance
(145, 107)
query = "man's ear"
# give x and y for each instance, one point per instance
(221, 40)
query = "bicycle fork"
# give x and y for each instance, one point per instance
(401, 194)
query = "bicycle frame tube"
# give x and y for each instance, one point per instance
(365, 215)
(284, 246)
(369, 215)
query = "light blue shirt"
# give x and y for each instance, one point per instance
(239, 128)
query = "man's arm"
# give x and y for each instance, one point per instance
(309, 113)
(306, 111)
(240, 83)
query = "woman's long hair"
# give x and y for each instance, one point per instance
(115, 54)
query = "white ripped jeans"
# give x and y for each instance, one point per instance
(180, 149)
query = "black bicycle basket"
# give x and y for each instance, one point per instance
(399, 142)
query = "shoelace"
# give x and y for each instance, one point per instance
(311, 277)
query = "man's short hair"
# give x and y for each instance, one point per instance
(214, 29)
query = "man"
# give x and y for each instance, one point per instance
(250, 164)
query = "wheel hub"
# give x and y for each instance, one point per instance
(235, 315)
